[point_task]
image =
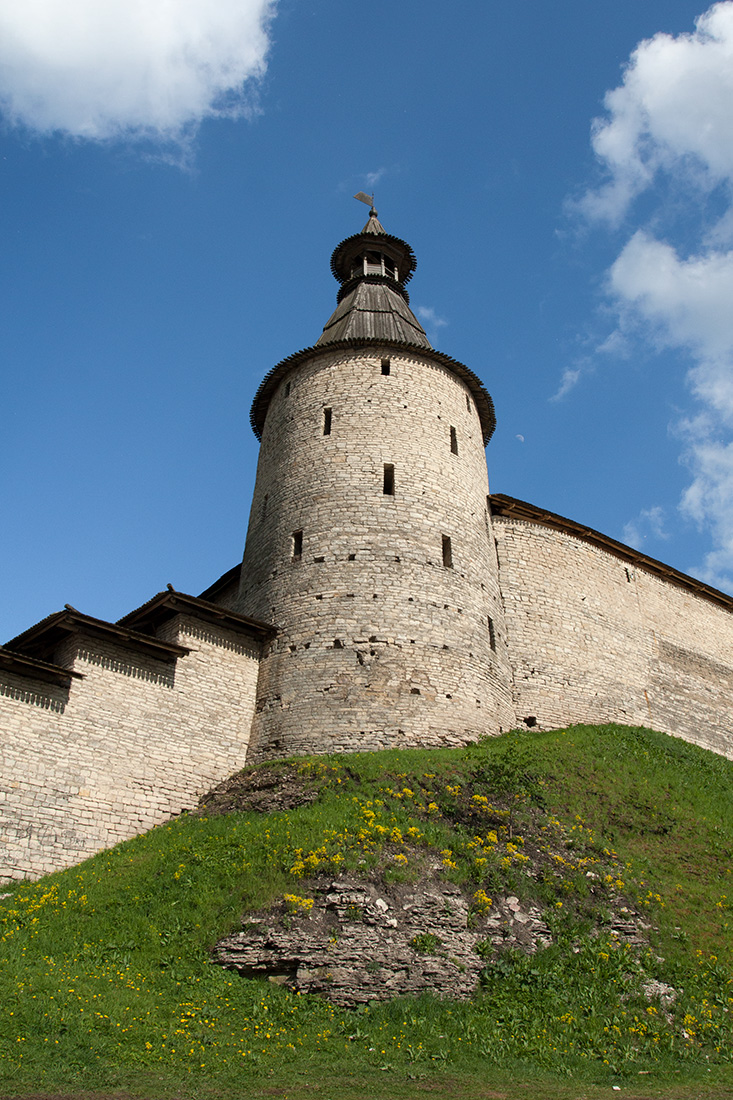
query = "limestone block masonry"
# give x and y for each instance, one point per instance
(598, 633)
(385, 600)
(369, 545)
(134, 738)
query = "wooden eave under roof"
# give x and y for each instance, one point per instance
(42, 639)
(230, 577)
(394, 247)
(502, 505)
(23, 665)
(274, 377)
(165, 605)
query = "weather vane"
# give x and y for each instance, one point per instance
(368, 199)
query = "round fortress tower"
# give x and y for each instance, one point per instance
(369, 544)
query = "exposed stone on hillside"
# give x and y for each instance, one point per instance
(264, 789)
(367, 941)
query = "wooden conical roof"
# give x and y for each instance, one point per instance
(373, 311)
(373, 268)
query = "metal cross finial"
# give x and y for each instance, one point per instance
(368, 199)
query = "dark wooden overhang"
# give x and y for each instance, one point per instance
(224, 581)
(271, 381)
(167, 604)
(23, 665)
(398, 250)
(41, 640)
(502, 505)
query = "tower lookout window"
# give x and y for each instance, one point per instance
(326, 421)
(453, 442)
(385, 366)
(447, 552)
(388, 483)
(492, 634)
(373, 264)
(297, 545)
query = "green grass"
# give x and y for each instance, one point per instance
(106, 982)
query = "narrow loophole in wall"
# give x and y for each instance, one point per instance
(414, 691)
(447, 552)
(338, 644)
(388, 482)
(352, 557)
(287, 389)
(468, 402)
(297, 540)
(326, 421)
(264, 505)
(492, 634)
(453, 441)
(386, 366)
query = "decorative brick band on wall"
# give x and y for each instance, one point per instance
(125, 667)
(595, 638)
(45, 696)
(139, 740)
(385, 637)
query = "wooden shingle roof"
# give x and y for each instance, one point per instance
(373, 310)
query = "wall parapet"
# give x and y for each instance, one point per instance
(502, 505)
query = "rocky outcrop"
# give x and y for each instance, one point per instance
(364, 941)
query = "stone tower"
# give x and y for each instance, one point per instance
(369, 544)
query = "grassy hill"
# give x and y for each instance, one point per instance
(107, 983)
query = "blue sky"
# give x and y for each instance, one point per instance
(175, 176)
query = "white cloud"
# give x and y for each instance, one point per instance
(568, 382)
(650, 521)
(671, 114)
(669, 129)
(431, 321)
(102, 69)
(687, 303)
(373, 178)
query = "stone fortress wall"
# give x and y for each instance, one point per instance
(599, 633)
(133, 737)
(369, 546)
(385, 599)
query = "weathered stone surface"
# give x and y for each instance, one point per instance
(388, 635)
(593, 639)
(134, 742)
(384, 638)
(370, 941)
